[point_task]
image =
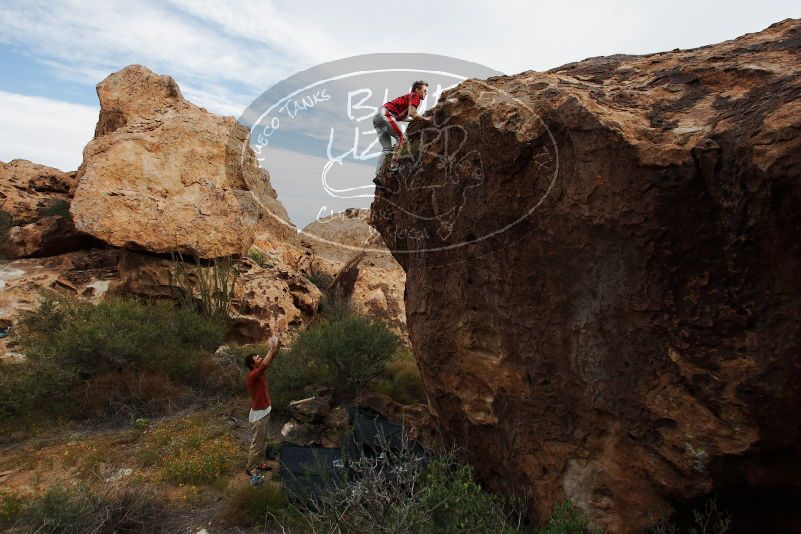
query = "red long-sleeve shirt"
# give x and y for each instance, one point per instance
(257, 385)
(399, 107)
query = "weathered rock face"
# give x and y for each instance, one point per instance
(156, 176)
(48, 236)
(86, 274)
(616, 321)
(27, 189)
(261, 296)
(344, 245)
(35, 200)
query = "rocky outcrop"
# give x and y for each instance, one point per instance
(49, 236)
(602, 275)
(157, 176)
(317, 421)
(28, 190)
(86, 274)
(34, 201)
(261, 296)
(349, 251)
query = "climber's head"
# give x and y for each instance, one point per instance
(421, 88)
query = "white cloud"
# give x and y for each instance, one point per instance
(88, 39)
(517, 35)
(229, 52)
(44, 131)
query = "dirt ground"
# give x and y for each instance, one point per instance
(35, 459)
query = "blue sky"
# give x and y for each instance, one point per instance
(225, 54)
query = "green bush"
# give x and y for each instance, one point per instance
(347, 355)
(566, 519)
(122, 356)
(60, 510)
(353, 350)
(59, 207)
(28, 391)
(6, 222)
(258, 256)
(67, 510)
(249, 506)
(11, 506)
(456, 502)
(117, 334)
(401, 381)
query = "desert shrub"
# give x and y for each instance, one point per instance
(28, 391)
(456, 503)
(11, 505)
(6, 222)
(66, 510)
(60, 510)
(321, 280)
(249, 506)
(566, 519)
(120, 357)
(401, 491)
(190, 451)
(400, 380)
(207, 288)
(353, 350)
(59, 207)
(129, 394)
(118, 334)
(294, 375)
(258, 256)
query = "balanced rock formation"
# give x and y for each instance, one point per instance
(347, 249)
(159, 174)
(603, 288)
(34, 201)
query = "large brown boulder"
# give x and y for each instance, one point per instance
(347, 249)
(157, 175)
(603, 292)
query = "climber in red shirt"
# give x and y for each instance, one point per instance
(385, 121)
(260, 405)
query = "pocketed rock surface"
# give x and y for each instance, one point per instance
(602, 289)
